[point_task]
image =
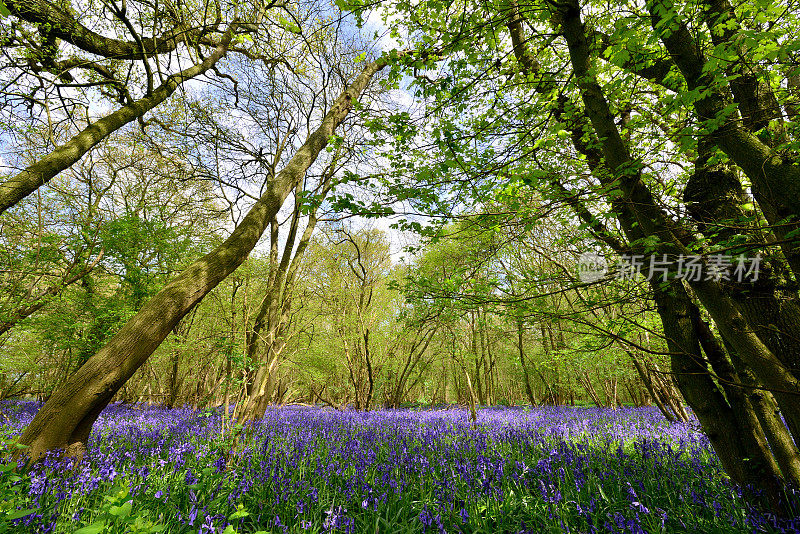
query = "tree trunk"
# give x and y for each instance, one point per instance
(525, 374)
(733, 443)
(780, 441)
(39, 173)
(715, 197)
(173, 378)
(67, 418)
(370, 379)
(657, 392)
(473, 413)
(589, 387)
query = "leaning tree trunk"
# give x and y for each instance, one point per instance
(738, 446)
(655, 393)
(589, 387)
(715, 199)
(66, 419)
(780, 441)
(42, 171)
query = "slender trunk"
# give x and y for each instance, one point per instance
(476, 356)
(525, 374)
(173, 377)
(551, 395)
(445, 385)
(667, 384)
(473, 413)
(589, 387)
(636, 399)
(370, 379)
(226, 396)
(655, 393)
(485, 364)
(614, 397)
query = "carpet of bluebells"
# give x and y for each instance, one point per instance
(300, 469)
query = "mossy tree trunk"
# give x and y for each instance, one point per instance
(66, 419)
(45, 169)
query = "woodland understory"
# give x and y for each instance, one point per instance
(370, 205)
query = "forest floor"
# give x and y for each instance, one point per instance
(300, 469)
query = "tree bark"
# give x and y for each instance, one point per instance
(62, 25)
(780, 440)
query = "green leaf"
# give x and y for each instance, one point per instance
(94, 528)
(239, 513)
(4, 12)
(21, 513)
(122, 511)
(289, 26)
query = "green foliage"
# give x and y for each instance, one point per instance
(587, 481)
(14, 503)
(116, 514)
(146, 251)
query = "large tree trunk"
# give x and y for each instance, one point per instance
(736, 441)
(67, 418)
(780, 441)
(716, 201)
(737, 397)
(775, 176)
(739, 447)
(62, 24)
